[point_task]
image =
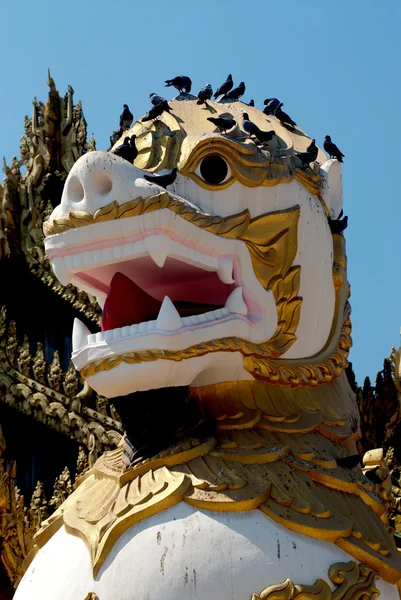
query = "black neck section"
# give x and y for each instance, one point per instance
(155, 419)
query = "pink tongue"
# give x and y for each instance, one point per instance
(127, 304)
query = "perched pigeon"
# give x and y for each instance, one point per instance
(127, 150)
(251, 103)
(313, 149)
(204, 94)
(271, 105)
(309, 156)
(332, 149)
(181, 82)
(252, 129)
(163, 180)
(223, 123)
(237, 92)
(155, 99)
(156, 111)
(283, 117)
(305, 157)
(225, 87)
(373, 475)
(338, 225)
(349, 462)
(126, 118)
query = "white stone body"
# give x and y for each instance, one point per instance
(184, 554)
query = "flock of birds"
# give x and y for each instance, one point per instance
(225, 93)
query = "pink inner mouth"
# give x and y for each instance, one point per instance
(135, 293)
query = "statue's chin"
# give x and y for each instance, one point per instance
(124, 379)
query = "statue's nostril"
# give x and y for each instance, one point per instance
(75, 190)
(101, 183)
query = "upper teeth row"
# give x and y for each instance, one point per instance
(168, 319)
(158, 247)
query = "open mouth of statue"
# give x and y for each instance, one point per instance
(139, 292)
(162, 283)
(142, 297)
(155, 285)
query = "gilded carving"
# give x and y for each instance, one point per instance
(32, 386)
(283, 463)
(167, 143)
(55, 137)
(351, 581)
(16, 528)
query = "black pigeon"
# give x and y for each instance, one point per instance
(332, 149)
(271, 105)
(251, 103)
(162, 180)
(155, 99)
(313, 149)
(237, 92)
(223, 123)
(374, 476)
(156, 111)
(133, 147)
(204, 94)
(349, 462)
(225, 87)
(181, 82)
(305, 157)
(252, 129)
(338, 225)
(283, 117)
(126, 118)
(309, 156)
(127, 150)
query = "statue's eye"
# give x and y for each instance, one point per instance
(213, 169)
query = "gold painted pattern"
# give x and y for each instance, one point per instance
(275, 450)
(351, 581)
(183, 138)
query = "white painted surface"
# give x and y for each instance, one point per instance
(212, 368)
(99, 178)
(332, 187)
(184, 554)
(163, 234)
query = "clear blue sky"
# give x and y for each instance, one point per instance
(335, 64)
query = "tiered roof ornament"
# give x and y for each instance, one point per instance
(55, 137)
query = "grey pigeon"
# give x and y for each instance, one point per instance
(155, 99)
(204, 94)
(252, 129)
(223, 123)
(163, 180)
(126, 118)
(237, 92)
(181, 82)
(156, 111)
(332, 149)
(225, 87)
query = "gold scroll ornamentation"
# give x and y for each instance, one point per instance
(352, 581)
